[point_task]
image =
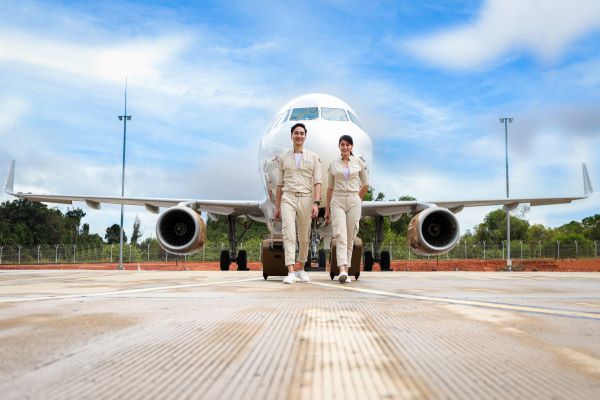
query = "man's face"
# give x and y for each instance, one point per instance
(298, 135)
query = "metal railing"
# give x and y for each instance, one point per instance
(71, 254)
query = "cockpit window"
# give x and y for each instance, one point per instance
(333, 114)
(283, 118)
(354, 119)
(299, 114)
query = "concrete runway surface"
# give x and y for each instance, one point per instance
(401, 335)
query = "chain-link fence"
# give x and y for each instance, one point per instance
(70, 254)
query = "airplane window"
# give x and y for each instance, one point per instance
(284, 117)
(299, 114)
(333, 114)
(354, 119)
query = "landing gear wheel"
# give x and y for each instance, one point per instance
(242, 260)
(322, 260)
(384, 263)
(368, 266)
(225, 260)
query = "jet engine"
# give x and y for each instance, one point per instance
(180, 230)
(433, 231)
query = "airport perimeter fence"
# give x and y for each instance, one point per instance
(74, 254)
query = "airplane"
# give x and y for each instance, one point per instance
(180, 229)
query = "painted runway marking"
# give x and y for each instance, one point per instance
(118, 292)
(477, 303)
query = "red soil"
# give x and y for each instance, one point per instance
(547, 264)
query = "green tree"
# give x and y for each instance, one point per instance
(137, 232)
(493, 228)
(591, 227)
(113, 233)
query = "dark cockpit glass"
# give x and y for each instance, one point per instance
(333, 114)
(302, 114)
(354, 119)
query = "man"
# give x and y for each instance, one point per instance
(297, 200)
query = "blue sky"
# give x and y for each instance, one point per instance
(429, 80)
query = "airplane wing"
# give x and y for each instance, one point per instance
(395, 209)
(250, 208)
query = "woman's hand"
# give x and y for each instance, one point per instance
(277, 215)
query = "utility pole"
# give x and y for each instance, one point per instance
(506, 121)
(123, 118)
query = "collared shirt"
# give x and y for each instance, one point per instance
(358, 177)
(299, 179)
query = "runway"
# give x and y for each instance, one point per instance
(193, 334)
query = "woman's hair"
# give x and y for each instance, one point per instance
(348, 139)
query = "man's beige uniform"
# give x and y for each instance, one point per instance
(345, 207)
(297, 201)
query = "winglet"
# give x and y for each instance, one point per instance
(10, 180)
(587, 184)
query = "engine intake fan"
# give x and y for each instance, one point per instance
(433, 231)
(180, 230)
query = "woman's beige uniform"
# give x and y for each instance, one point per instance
(345, 208)
(297, 201)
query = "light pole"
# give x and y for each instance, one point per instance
(123, 118)
(506, 121)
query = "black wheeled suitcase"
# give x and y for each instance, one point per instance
(273, 256)
(354, 263)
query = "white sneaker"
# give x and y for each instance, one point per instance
(291, 278)
(302, 276)
(343, 278)
(348, 280)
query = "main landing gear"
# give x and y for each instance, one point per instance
(377, 256)
(232, 255)
(315, 255)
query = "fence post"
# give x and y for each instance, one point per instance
(19, 255)
(484, 249)
(129, 252)
(408, 252)
(520, 241)
(503, 249)
(1, 249)
(558, 249)
(148, 252)
(540, 245)
(111, 246)
(391, 251)
(465, 249)
(166, 256)
(576, 252)
(74, 250)
(38, 254)
(56, 254)
(596, 247)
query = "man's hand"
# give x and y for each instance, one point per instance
(277, 215)
(315, 211)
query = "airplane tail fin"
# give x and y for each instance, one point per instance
(587, 184)
(10, 180)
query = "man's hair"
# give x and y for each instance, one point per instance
(299, 124)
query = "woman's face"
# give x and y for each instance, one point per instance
(345, 148)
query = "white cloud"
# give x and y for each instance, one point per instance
(12, 110)
(545, 28)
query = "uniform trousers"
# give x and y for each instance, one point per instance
(345, 210)
(295, 211)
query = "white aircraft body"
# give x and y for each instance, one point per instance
(433, 229)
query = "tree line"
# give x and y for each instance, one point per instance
(30, 223)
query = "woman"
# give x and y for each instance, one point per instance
(348, 184)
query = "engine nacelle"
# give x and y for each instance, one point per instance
(180, 230)
(433, 231)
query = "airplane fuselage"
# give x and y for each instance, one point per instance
(326, 119)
